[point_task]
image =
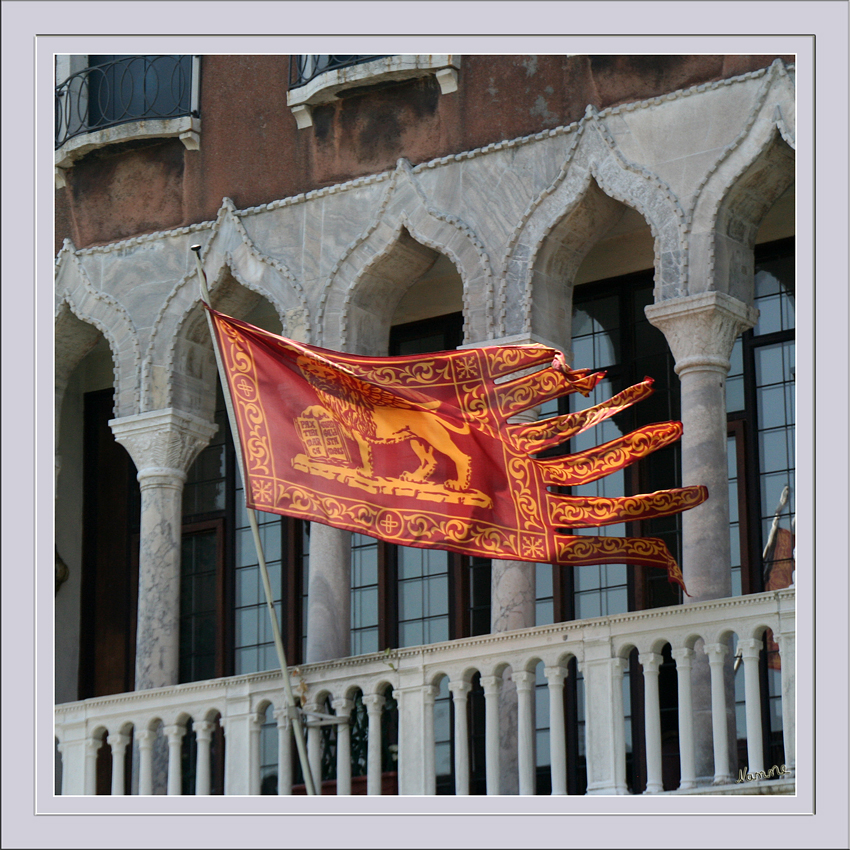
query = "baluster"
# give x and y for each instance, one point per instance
(618, 666)
(716, 653)
(314, 746)
(492, 686)
(525, 682)
(118, 742)
(146, 740)
(557, 731)
(284, 752)
(343, 708)
(787, 648)
(203, 737)
(255, 725)
(684, 659)
(750, 650)
(374, 703)
(175, 735)
(650, 662)
(460, 692)
(92, 745)
(429, 697)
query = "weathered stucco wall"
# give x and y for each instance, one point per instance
(252, 152)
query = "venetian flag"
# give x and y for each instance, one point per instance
(419, 450)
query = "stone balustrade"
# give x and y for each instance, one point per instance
(600, 646)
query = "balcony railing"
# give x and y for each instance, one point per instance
(302, 69)
(159, 718)
(133, 88)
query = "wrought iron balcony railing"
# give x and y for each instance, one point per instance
(120, 90)
(302, 69)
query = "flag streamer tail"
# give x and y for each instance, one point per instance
(593, 464)
(537, 436)
(589, 511)
(584, 550)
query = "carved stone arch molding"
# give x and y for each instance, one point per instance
(399, 245)
(82, 310)
(179, 369)
(746, 180)
(566, 219)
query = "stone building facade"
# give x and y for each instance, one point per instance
(636, 212)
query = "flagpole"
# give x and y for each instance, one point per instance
(292, 709)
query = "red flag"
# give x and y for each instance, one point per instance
(417, 450)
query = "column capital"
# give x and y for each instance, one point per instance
(683, 656)
(750, 647)
(373, 702)
(716, 652)
(650, 661)
(203, 730)
(162, 443)
(175, 732)
(281, 715)
(118, 741)
(342, 706)
(524, 680)
(618, 664)
(491, 684)
(145, 738)
(459, 690)
(701, 329)
(429, 692)
(556, 675)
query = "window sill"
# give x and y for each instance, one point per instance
(186, 128)
(325, 87)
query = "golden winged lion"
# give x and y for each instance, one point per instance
(373, 416)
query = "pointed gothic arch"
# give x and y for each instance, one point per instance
(179, 367)
(564, 222)
(745, 181)
(389, 256)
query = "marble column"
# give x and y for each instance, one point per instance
(429, 779)
(118, 742)
(343, 708)
(683, 657)
(329, 594)
(513, 593)
(175, 734)
(651, 662)
(255, 730)
(92, 745)
(284, 752)
(717, 653)
(492, 737)
(525, 682)
(750, 652)
(314, 745)
(787, 652)
(203, 738)
(701, 330)
(162, 444)
(557, 728)
(374, 704)
(145, 740)
(460, 696)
